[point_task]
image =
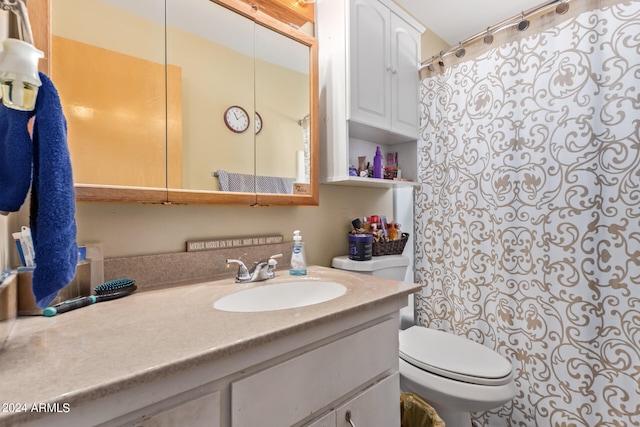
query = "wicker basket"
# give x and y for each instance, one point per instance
(392, 247)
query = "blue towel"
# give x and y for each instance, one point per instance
(16, 154)
(52, 219)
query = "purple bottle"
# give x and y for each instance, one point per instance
(377, 164)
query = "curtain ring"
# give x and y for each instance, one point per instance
(523, 24)
(461, 51)
(562, 8)
(488, 39)
(441, 61)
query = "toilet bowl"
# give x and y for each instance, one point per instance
(453, 374)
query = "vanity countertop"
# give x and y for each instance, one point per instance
(107, 347)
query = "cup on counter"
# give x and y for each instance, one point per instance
(79, 286)
(360, 246)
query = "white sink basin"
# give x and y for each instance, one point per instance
(280, 296)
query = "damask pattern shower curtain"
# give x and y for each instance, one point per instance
(528, 215)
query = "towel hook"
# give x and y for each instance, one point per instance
(19, 8)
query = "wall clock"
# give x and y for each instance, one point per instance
(236, 119)
(258, 123)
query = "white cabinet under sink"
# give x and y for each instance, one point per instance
(256, 402)
(317, 380)
(199, 366)
(310, 379)
(369, 57)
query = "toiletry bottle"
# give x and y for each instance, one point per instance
(298, 257)
(377, 164)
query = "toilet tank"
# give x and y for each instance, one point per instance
(391, 267)
(387, 267)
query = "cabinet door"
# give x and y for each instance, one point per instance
(217, 72)
(370, 64)
(287, 393)
(378, 406)
(405, 54)
(109, 67)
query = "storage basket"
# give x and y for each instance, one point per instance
(392, 247)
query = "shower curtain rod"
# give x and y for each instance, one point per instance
(521, 19)
(19, 8)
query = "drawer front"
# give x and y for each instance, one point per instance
(291, 391)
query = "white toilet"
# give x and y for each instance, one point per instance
(453, 374)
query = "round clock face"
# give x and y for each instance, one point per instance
(236, 119)
(258, 122)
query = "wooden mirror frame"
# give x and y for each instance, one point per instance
(39, 14)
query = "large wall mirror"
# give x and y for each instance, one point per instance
(146, 86)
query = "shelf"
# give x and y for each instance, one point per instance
(377, 135)
(355, 181)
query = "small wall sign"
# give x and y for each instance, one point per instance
(231, 242)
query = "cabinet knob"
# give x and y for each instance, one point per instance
(347, 417)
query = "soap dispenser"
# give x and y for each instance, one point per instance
(377, 164)
(298, 257)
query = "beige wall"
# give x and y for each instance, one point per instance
(127, 230)
(431, 45)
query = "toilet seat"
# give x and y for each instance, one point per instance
(453, 357)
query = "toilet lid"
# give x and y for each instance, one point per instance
(453, 357)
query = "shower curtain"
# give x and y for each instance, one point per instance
(528, 215)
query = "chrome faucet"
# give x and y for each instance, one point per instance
(261, 270)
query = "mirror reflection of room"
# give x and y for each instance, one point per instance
(108, 65)
(130, 127)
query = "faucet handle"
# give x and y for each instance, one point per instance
(272, 261)
(243, 273)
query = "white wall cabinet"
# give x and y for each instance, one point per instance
(384, 69)
(369, 57)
